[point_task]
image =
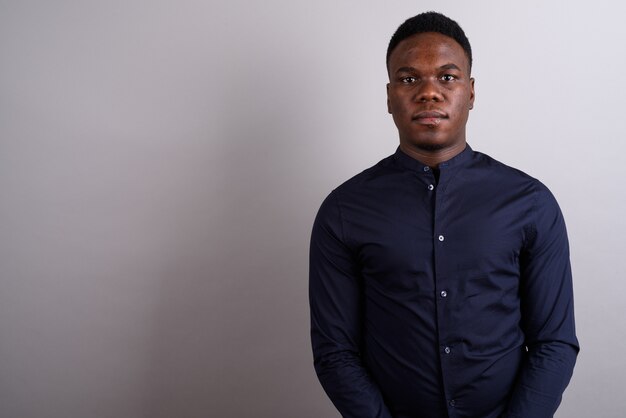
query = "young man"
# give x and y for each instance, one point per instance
(440, 282)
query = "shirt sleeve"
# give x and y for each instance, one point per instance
(335, 297)
(547, 308)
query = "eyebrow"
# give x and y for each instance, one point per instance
(449, 66)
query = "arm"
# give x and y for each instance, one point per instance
(547, 308)
(335, 297)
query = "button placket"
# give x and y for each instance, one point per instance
(441, 276)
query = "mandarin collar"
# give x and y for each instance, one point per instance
(408, 162)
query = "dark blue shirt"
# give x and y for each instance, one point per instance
(442, 292)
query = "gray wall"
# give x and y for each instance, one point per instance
(161, 163)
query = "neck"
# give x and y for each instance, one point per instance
(433, 158)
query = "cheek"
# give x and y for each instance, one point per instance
(462, 103)
(399, 104)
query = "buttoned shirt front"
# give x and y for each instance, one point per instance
(442, 293)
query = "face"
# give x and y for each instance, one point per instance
(430, 92)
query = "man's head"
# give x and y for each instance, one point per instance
(430, 22)
(430, 90)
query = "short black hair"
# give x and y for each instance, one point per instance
(430, 22)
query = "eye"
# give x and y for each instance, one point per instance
(408, 80)
(448, 77)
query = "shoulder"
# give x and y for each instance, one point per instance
(368, 177)
(544, 214)
(359, 184)
(361, 189)
(371, 181)
(499, 168)
(508, 176)
(507, 179)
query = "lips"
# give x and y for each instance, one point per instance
(428, 114)
(429, 117)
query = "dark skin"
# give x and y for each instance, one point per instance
(429, 94)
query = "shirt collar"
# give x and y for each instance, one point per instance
(411, 163)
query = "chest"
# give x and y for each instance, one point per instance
(407, 237)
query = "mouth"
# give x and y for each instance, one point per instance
(429, 117)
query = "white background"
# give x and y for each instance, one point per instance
(161, 163)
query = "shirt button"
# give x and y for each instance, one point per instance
(444, 294)
(441, 238)
(452, 403)
(431, 187)
(427, 168)
(447, 350)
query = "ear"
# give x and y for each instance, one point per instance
(472, 93)
(388, 101)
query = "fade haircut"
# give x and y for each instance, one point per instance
(430, 22)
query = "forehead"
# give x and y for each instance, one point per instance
(428, 48)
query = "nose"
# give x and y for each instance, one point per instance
(428, 91)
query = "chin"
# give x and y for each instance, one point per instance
(428, 145)
(432, 146)
(431, 142)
